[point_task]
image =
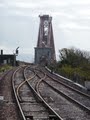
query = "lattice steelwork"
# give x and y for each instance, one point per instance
(45, 36)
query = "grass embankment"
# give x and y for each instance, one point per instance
(73, 64)
(70, 72)
(4, 68)
(77, 74)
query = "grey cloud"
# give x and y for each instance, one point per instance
(19, 22)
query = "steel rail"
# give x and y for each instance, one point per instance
(22, 83)
(68, 97)
(37, 85)
(19, 106)
(86, 95)
(42, 99)
(4, 74)
(38, 96)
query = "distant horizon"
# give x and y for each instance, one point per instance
(28, 57)
(19, 24)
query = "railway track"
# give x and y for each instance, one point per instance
(76, 101)
(31, 105)
(67, 81)
(40, 96)
(80, 97)
(8, 109)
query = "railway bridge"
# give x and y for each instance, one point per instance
(32, 92)
(45, 49)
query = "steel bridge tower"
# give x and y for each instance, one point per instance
(45, 50)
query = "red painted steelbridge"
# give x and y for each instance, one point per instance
(45, 50)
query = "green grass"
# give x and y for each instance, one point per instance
(3, 68)
(71, 72)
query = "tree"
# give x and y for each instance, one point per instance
(74, 57)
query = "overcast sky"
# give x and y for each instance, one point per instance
(19, 24)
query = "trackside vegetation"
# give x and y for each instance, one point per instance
(5, 67)
(74, 64)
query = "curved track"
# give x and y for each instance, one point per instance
(22, 88)
(77, 99)
(80, 97)
(41, 96)
(17, 100)
(8, 108)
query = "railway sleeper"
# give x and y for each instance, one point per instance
(51, 117)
